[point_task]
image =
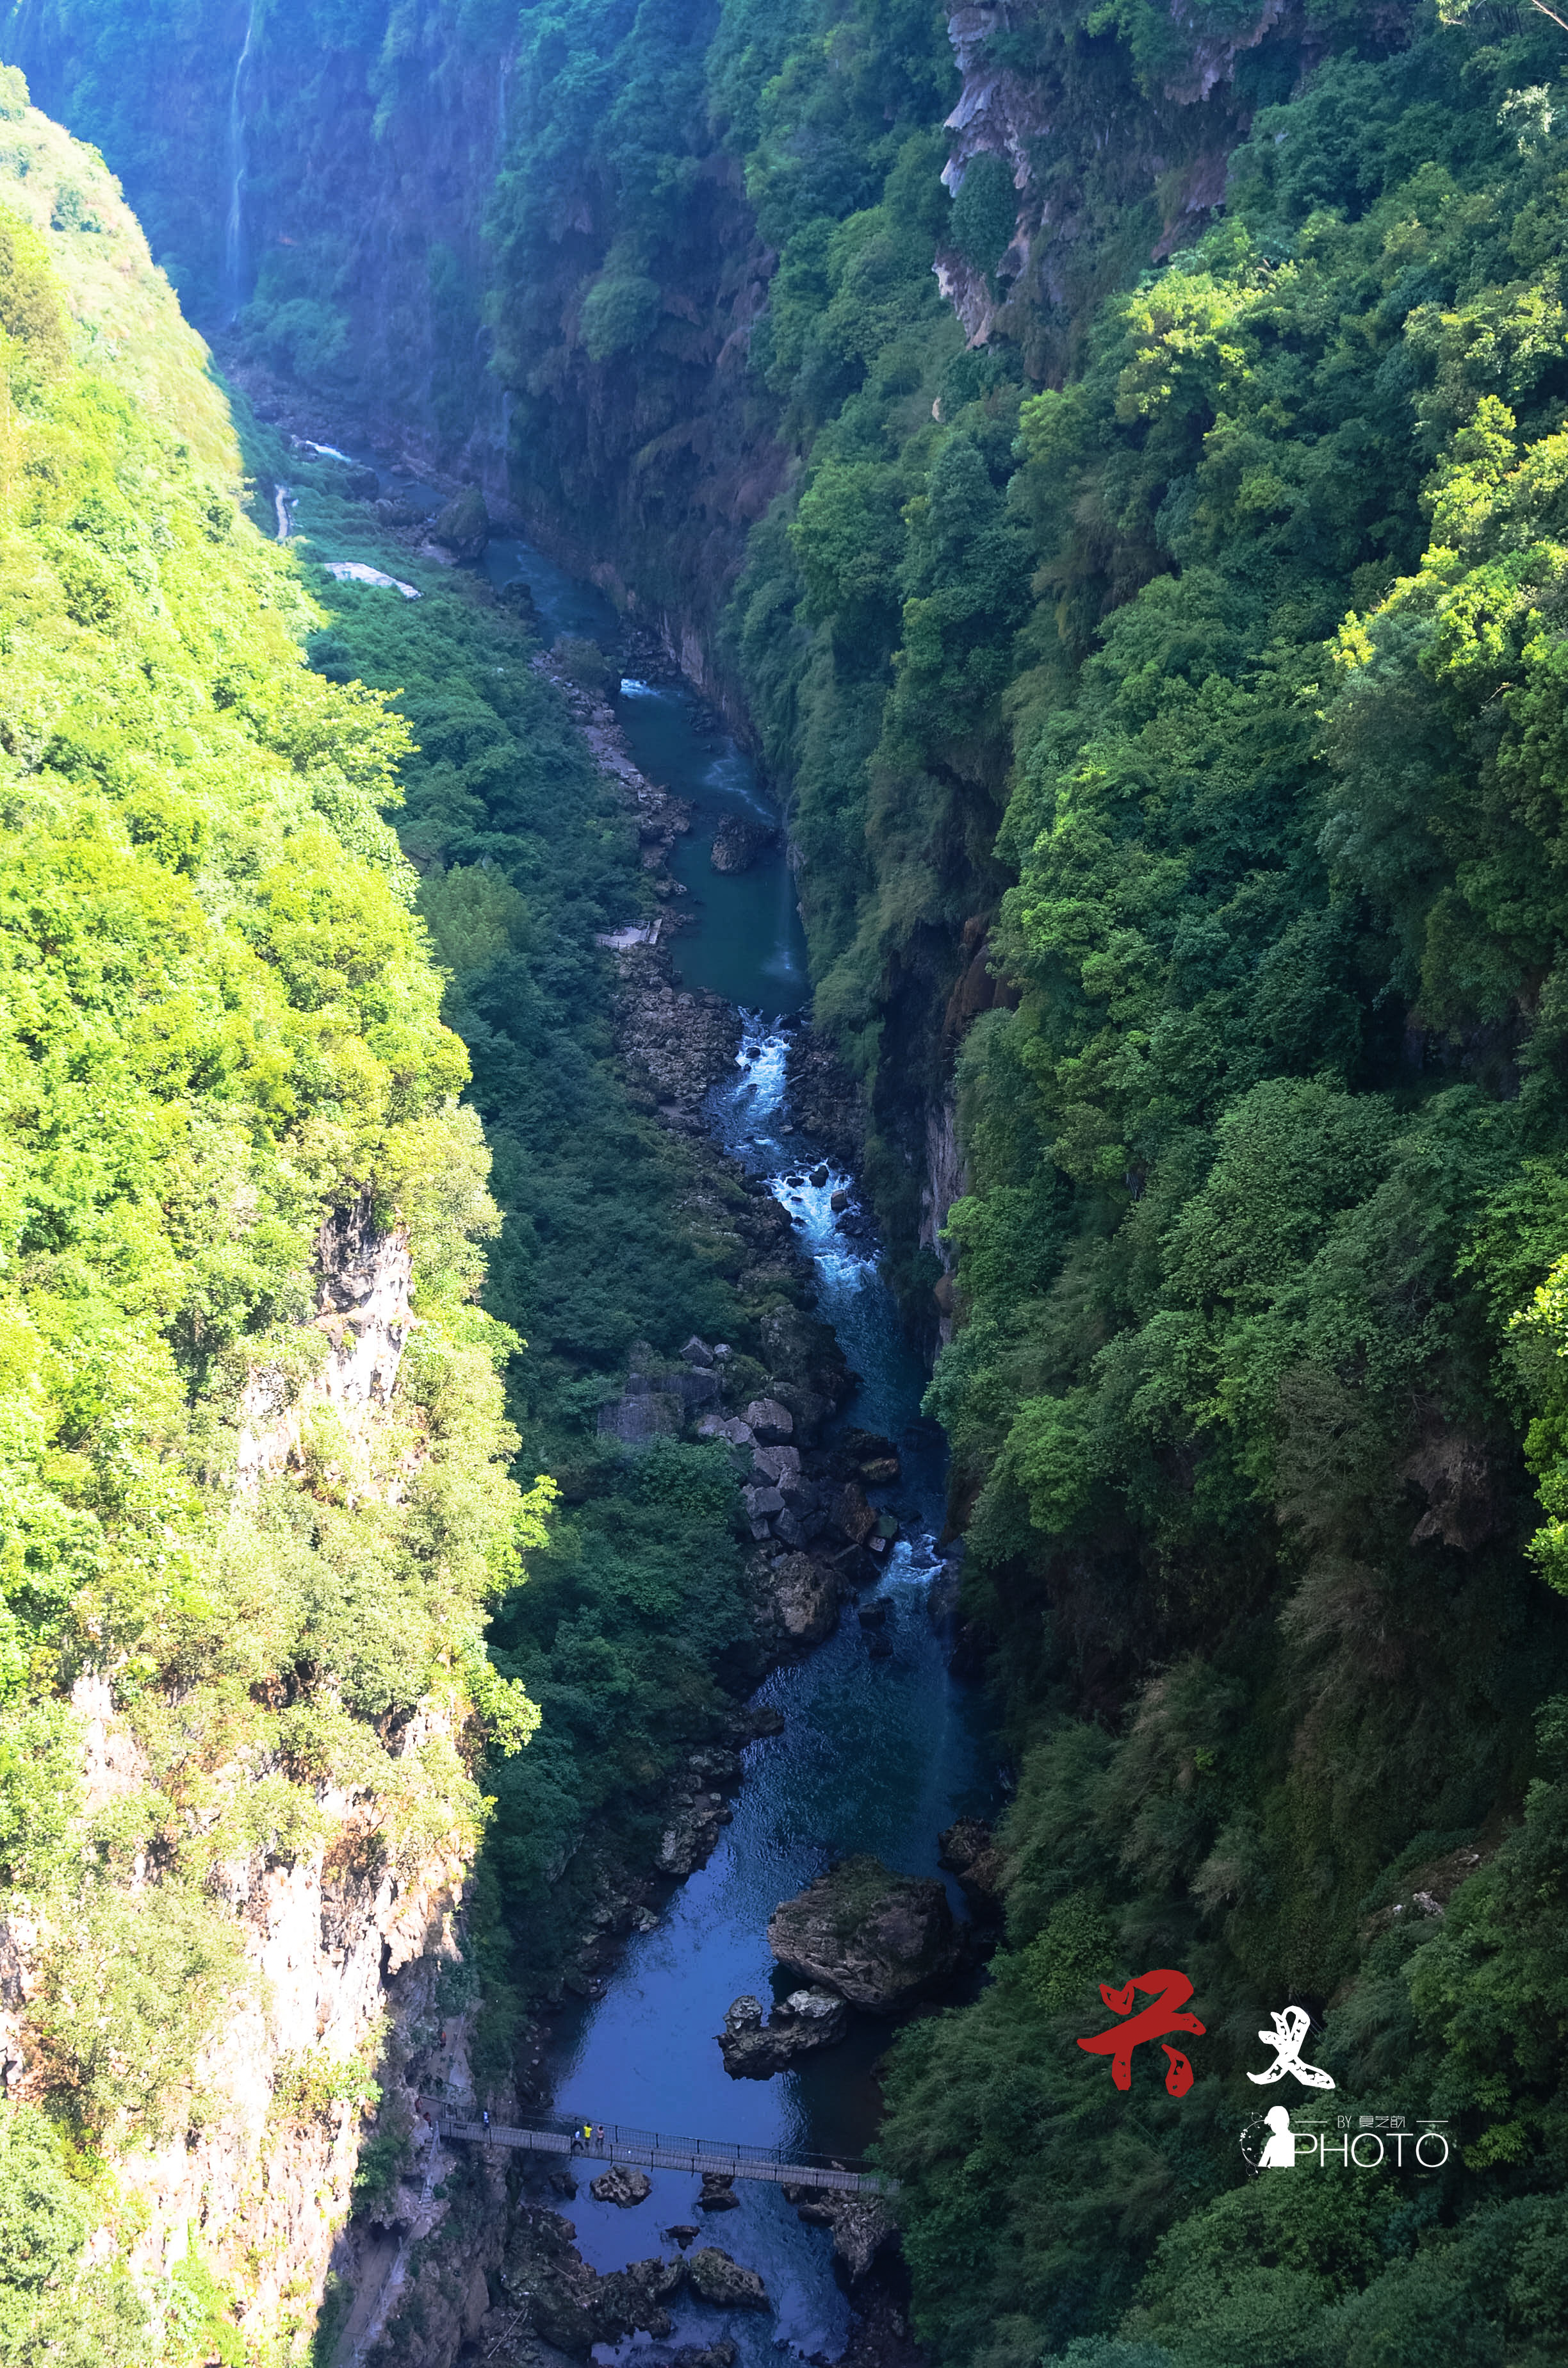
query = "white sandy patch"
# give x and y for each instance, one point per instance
(354, 570)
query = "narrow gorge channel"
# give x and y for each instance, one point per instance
(880, 1746)
(881, 1749)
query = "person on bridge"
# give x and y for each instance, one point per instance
(600, 2137)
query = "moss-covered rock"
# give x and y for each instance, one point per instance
(880, 1940)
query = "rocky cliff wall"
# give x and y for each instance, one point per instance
(334, 2023)
(324, 174)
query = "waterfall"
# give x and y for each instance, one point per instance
(235, 237)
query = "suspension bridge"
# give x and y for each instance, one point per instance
(657, 2150)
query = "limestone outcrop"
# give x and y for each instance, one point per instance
(877, 1939)
(805, 2021)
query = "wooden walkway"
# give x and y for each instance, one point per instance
(656, 2150)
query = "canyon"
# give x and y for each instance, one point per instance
(813, 1285)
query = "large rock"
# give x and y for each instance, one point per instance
(851, 1515)
(771, 1423)
(462, 529)
(880, 1940)
(804, 2022)
(968, 1850)
(738, 843)
(622, 2183)
(800, 1600)
(692, 1834)
(572, 2307)
(641, 1414)
(714, 2278)
(862, 2225)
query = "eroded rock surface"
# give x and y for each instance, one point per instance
(737, 844)
(805, 2021)
(877, 1939)
(968, 1850)
(574, 2306)
(461, 530)
(716, 2278)
(797, 1601)
(862, 2225)
(622, 2183)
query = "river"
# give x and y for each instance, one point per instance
(876, 1754)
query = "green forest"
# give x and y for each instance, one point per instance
(1165, 669)
(224, 999)
(223, 1038)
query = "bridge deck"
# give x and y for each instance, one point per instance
(656, 2151)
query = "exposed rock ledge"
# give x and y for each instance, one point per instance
(806, 2020)
(880, 1940)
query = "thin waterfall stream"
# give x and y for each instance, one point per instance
(235, 226)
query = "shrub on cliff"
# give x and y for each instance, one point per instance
(222, 1033)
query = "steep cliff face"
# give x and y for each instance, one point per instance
(1117, 143)
(364, 1310)
(341, 1956)
(253, 1506)
(314, 175)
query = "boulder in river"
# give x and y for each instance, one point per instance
(862, 2225)
(714, 2278)
(572, 2307)
(517, 594)
(880, 1940)
(800, 1600)
(461, 530)
(805, 2021)
(622, 2183)
(690, 1838)
(718, 2192)
(851, 1516)
(737, 844)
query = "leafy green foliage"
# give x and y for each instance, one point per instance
(50, 2304)
(223, 1056)
(986, 212)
